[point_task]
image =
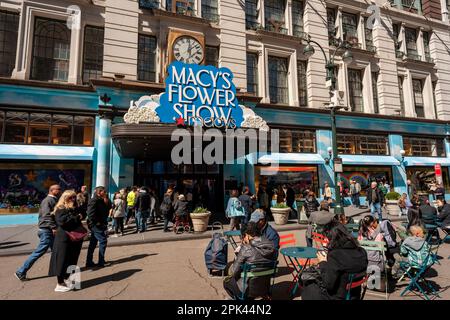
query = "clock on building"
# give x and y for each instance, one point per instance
(187, 49)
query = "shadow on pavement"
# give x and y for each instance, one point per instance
(132, 258)
(119, 276)
(12, 244)
(280, 291)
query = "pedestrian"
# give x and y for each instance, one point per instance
(355, 192)
(412, 190)
(82, 202)
(85, 193)
(167, 208)
(444, 214)
(327, 192)
(181, 211)
(404, 204)
(235, 211)
(247, 203)
(320, 222)
(131, 199)
(97, 213)
(311, 203)
(143, 202)
(118, 214)
(46, 232)
(152, 207)
(375, 198)
(263, 199)
(66, 248)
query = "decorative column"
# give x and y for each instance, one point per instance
(104, 149)
(399, 171)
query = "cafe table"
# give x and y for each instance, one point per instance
(295, 254)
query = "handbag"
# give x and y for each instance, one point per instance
(78, 234)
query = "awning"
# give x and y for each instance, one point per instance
(31, 152)
(291, 158)
(426, 161)
(369, 160)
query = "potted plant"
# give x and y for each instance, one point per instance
(280, 212)
(200, 217)
(392, 203)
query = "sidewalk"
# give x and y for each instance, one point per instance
(22, 240)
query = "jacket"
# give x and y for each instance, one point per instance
(119, 208)
(290, 197)
(263, 200)
(417, 249)
(375, 258)
(131, 199)
(181, 208)
(355, 188)
(311, 205)
(428, 214)
(317, 220)
(166, 205)
(259, 251)
(327, 192)
(271, 234)
(46, 218)
(143, 201)
(444, 215)
(379, 193)
(340, 263)
(98, 212)
(246, 202)
(234, 208)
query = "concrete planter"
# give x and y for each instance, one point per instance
(200, 221)
(392, 208)
(280, 215)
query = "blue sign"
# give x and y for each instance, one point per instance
(200, 95)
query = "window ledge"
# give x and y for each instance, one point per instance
(277, 35)
(190, 19)
(46, 84)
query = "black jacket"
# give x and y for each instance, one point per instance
(143, 201)
(311, 205)
(380, 196)
(166, 206)
(46, 218)
(290, 197)
(181, 208)
(428, 214)
(444, 215)
(340, 263)
(98, 212)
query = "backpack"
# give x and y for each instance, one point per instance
(389, 233)
(216, 253)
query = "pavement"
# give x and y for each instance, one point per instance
(169, 270)
(22, 239)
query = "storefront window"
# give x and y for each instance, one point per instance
(365, 175)
(423, 147)
(24, 185)
(299, 178)
(423, 177)
(297, 141)
(45, 128)
(352, 143)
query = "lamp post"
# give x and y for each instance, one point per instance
(347, 57)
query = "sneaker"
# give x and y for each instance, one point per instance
(62, 288)
(20, 276)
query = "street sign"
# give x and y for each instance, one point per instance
(338, 167)
(438, 173)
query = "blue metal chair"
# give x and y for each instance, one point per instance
(252, 271)
(417, 276)
(356, 280)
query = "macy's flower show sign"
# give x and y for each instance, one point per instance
(196, 95)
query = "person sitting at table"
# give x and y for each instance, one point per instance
(259, 217)
(344, 257)
(254, 249)
(319, 221)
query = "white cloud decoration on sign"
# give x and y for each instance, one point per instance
(143, 110)
(251, 120)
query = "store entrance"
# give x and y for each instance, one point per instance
(202, 185)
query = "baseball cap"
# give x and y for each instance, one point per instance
(257, 215)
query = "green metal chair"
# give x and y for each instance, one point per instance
(379, 246)
(263, 270)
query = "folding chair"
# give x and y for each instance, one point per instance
(230, 234)
(379, 246)
(417, 275)
(285, 241)
(253, 271)
(356, 280)
(319, 240)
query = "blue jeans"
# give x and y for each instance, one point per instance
(376, 207)
(355, 200)
(97, 236)
(141, 220)
(46, 238)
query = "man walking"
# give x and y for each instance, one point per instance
(143, 202)
(376, 199)
(355, 191)
(97, 216)
(46, 232)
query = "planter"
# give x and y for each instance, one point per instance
(280, 215)
(200, 221)
(392, 208)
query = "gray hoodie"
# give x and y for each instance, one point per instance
(415, 243)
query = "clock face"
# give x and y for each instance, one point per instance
(188, 50)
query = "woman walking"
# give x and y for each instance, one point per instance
(68, 239)
(235, 211)
(118, 214)
(167, 208)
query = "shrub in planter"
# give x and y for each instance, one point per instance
(200, 218)
(393, 196)
(392, 203)
(280, 212)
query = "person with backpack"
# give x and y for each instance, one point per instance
(234, 211)
(167, 208)
(253, 250)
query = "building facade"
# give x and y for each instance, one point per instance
(71, 69)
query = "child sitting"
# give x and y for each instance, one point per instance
(415, 248)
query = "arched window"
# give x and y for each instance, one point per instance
(51, 50)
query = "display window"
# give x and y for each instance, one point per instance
(423, 178)
(365, 175)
